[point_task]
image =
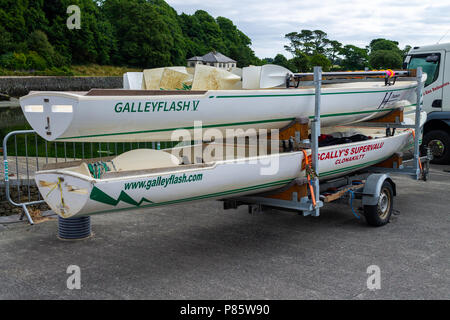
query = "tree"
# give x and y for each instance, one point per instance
(333, 50)
(385, 59)
(281, 60)
(383, 44)
(307, 41)
(320, 60)
(355, 58)
(406, 50)
(300, 62)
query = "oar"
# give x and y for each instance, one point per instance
(273, 75)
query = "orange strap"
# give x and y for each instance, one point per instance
(313, 197)
(420, 162)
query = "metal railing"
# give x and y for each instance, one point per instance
(25, 152)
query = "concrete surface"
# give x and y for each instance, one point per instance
(199, 251)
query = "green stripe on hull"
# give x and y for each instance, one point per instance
(100, 196)
(230, 124)
(309, 94)
(107, 199)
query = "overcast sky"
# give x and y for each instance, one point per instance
(355, 22)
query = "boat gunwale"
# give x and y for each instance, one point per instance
(207, 166)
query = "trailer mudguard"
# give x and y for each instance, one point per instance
(372, 188)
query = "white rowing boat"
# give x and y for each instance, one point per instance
(146, 115)
(148, 178)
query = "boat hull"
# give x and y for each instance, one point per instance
(58, 116)
(72, 194)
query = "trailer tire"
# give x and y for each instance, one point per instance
(379, 214)
(439, 143)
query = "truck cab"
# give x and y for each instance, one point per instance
(435, 61)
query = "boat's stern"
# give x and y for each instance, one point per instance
(49, 113)
(66, 194)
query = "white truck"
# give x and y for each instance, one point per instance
(435, 61)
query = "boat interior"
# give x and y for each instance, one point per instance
(186, 156)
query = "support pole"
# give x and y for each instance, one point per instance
(315, 132)
(417, 129)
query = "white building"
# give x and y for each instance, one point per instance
(213, 58)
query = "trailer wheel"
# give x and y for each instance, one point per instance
(379, 214)
(439, 143)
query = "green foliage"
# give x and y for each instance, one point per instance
(35, 61)
(203, 33)
(386, 59)
(383, 44)
(355, 58)
(142, 33)
(300, 62)
(385, 54)
(281, 61)
(310, 48)
(320, 60)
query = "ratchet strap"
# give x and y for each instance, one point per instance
(309, 175)
(420, 162)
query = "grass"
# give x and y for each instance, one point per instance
(93, 70)
(98, 70)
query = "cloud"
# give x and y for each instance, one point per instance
(355, 22)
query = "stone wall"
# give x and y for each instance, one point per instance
(20, 86)
(8, 209)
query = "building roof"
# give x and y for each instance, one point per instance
(196, 58)
(212, 57)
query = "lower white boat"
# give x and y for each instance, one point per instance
(147, 178)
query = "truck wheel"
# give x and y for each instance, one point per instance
(439, 143)
(379, 214)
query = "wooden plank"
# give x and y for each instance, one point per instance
(341, 192)
(302, 191)
(395, 116)
(396, 159)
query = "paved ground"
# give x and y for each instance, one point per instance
(200, 251)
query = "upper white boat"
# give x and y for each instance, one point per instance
(121, 115)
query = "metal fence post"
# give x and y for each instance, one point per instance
(315, 133)
(7, 182)
(417, 129)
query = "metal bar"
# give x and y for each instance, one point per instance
(37, 160)
(46, 152)
(28, 171)
(417, 129)
(17, 167)
(65, 152)
(7, 182)
(37, 152)
(315, 133)
(354, 73)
